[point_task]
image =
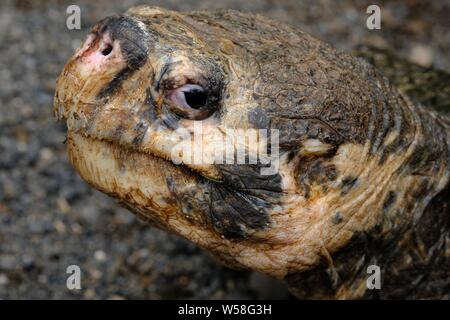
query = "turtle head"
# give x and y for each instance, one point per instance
(256, 141)
(157, 106)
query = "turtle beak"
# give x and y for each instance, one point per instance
(114, 45)
(90, 70)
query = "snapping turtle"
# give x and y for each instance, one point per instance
(361, 176)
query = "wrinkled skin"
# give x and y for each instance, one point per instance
(361, 169)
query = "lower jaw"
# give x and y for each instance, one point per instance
(140, 182)
(136, 179)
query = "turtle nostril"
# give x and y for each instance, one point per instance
(107, 50)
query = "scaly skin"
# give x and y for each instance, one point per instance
(427, 86)
(363, 171)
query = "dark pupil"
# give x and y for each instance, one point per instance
(195, 98)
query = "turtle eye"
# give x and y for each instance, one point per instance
(189, 96)
(189, 101)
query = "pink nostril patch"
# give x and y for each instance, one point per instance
(99, 54)
(96, 51)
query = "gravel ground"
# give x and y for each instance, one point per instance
(49, 218)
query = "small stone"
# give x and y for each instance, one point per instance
(77, 228)
(3, 279)
(89, 293)
(96, 274)
(59, 226)
(63, 205)
(100, 255)
(422, 55)
(46, 156)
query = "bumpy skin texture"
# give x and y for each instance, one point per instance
(363, 171)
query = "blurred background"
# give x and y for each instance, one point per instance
(49, 218)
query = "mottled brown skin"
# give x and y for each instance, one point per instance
(363, 175)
